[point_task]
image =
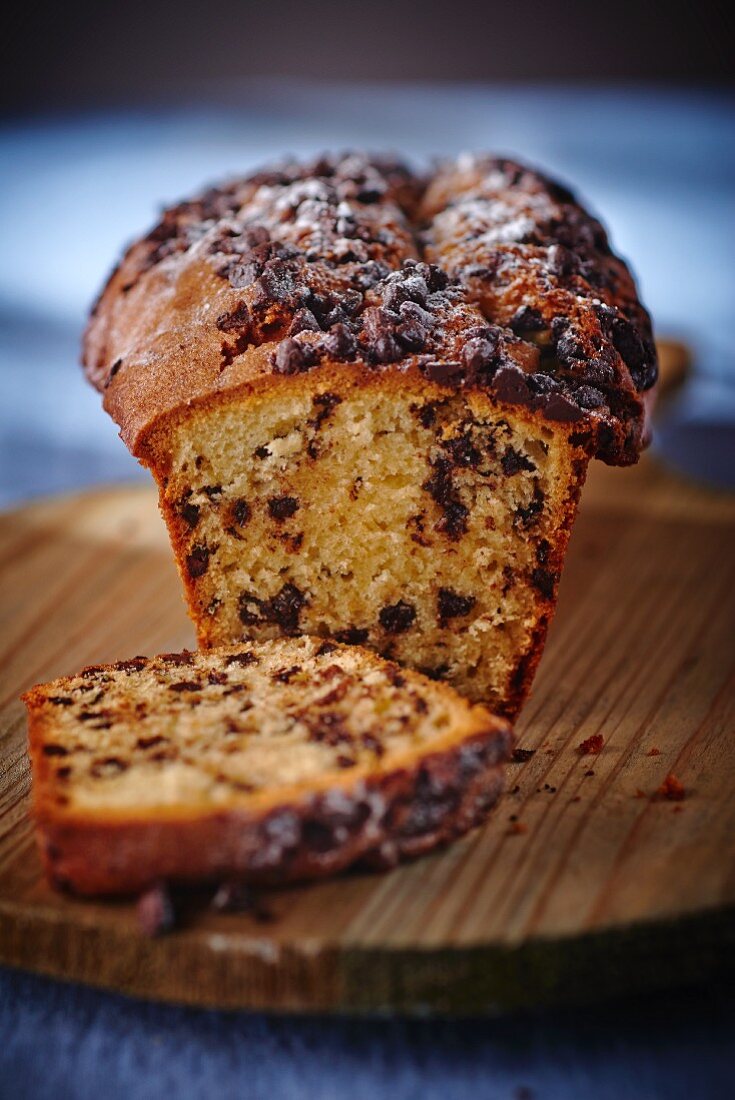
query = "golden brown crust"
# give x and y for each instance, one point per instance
(381, 821)
(382, 813)
(310, 266)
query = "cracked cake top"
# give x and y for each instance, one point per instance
(482, 274)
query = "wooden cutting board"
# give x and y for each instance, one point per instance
(583, 884)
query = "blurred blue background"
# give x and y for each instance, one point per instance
(657, 164)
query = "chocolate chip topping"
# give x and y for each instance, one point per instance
(484, 275)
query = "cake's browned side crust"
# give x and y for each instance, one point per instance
(484, 276)
(380, 816)
(381, 821)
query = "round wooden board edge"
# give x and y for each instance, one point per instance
(256, 973)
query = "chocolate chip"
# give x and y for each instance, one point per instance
(398, 617)
(379, 335)
(325, 404)
(242, 659)
(197, 562)
(151, 742)
(442, 490)
(462, 451)
(479, 354)
(443, 374)
(451, 605)
(526, 516)
(325, 648)
(283, 609)
(185, 685)
(526, 319)
(177, 659)
(328, 729)
(352, 636)
(303, 321)
(544, 580)
(55, 750)
(340, 343)
(514, 461)
(189, 512)
(426, 413)
(60, 700)
(240, 512)
(411, 336)
(589, 397)
(569, 350)
(286, 675)
(134, 664)
(282, 508)
(291, 357)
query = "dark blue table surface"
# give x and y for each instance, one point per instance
(62, 1042)
(661, 168)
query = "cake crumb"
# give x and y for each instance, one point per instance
(521, 756)
(592, 746)
(671, 789)
(155, 910)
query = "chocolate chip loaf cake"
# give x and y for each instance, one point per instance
(369, 398)
(271, 762)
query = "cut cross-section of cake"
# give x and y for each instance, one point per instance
(369, 399)
(269, 762)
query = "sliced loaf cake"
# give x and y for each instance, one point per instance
(270, 762)
(369, 398)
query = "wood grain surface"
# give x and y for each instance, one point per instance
(584, 884)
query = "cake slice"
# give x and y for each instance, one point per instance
(369, 398)
(270, 762)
